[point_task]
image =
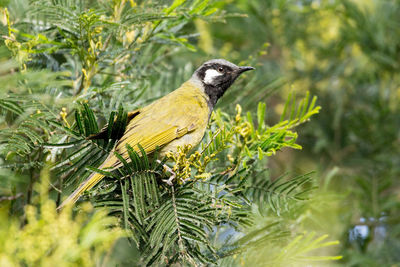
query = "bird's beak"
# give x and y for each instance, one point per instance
(244, 68)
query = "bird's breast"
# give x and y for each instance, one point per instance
(190, 102)
(193, 138)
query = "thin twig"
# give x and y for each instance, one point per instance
(180, 242)
(182, 250)
(212, 139)
(55, 188)
(11, 197)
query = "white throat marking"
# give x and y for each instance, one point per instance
(210, 75)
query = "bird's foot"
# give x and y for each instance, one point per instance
(172, 177)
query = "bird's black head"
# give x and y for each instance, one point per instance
(217, 75)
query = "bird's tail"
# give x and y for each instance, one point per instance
(91, 181)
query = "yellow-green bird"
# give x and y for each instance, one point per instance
(177, 119)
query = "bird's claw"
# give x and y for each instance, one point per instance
(172, 177)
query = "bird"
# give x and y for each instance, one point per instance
(177, 119)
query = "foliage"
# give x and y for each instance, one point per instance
(75, 65)
(295, 253)
(48, 236)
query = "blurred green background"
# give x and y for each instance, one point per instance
(347, 52)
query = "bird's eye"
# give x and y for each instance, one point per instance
(221, 69)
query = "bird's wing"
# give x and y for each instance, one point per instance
(163, 134)
(153, 129)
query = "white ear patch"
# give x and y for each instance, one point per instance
(210, 75)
